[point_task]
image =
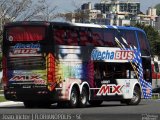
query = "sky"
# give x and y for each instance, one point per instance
(67, 5)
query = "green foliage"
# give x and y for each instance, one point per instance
(0, 52)
(158, 9)
(0, 61)
(153, 37)
(2, 99)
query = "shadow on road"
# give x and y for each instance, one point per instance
(54, 106)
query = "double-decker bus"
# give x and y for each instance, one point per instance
(73, 63)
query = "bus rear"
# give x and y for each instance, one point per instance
(25, 62)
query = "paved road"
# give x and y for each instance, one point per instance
(107, 111)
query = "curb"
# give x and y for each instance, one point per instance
(2, 104)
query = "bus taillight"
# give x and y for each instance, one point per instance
(4, 66)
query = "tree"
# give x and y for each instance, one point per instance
(48, 13)
(158, 9)
(17, 10)
(153, 37)
(24, 10)
(78, 14)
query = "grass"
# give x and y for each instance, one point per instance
(1, 92)
(2, 99)
(155, 97)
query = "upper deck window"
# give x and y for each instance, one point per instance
(65, 36)
(97, 37)
(144, 45)
(25, 33)
(109, 38)
(129, 36)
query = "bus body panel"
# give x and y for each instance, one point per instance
(128, 87)
(74, 66)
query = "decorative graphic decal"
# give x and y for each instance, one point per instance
(25, 50)
(70, 63)
(27, 77)
(137, 66)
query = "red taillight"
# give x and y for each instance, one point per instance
(4, 68)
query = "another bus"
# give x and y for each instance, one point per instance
(73, 63)
(155, 73)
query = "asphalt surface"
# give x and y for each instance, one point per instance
(146, 110)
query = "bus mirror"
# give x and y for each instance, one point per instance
(156, 67)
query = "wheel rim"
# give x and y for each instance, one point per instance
(73, 98)
(83, 98)
(135, 97)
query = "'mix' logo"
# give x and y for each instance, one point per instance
(110, 89)
(25, 77)
(34, 78)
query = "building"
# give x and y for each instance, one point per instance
(116, 6)
(115, 12)
(86, 14)
(149, 18)
(126, 13)
(157, 24)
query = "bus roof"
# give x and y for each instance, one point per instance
(19, 23)
(96, 26)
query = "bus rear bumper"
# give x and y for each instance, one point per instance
(31, 95)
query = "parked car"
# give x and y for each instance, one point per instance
(156, 90)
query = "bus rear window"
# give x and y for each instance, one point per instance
(25, 33)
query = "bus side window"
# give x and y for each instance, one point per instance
(59, 36)
(72, 37)
(84, 35)
(97, 37)
(143, 44)
(109, 36)
(130, 38)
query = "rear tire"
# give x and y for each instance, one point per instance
(95, 102)
(83, 98)
(136, 97)
(73, 102)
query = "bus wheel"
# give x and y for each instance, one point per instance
(83, 98)
(29, 104)
(136, 97)
(95, 102)
(73, 98)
